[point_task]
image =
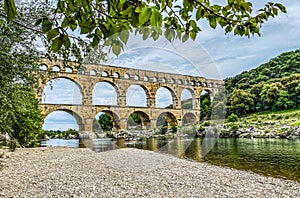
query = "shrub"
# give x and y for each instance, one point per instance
(174, 129)
(206, 123)
(232, 118)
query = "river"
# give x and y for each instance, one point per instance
(272, 157)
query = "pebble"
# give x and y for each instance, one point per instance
(80, 172)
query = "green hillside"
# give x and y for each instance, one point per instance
(274, 86)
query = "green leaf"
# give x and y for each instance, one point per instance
(84, 30)
(46, 25)
(10, 9)
(200, 13)
(65, 22)
(56, 44)
(38, 22)
(73, 27)
(66, 41)
(213, 22)
(193, 35)
(185, 37)
(281, 7)
(124, 35)
(139, 8)
(193, 24)
(95, 41)
(144, 16)
(116, 48)
(52, 34)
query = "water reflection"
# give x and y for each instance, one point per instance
(274, 157)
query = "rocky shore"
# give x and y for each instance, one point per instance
(67, 172)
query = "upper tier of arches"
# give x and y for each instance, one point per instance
(133, 74)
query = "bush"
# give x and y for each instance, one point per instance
(206, 123)
(234, 127)
(174, 129)
(232, 118)
(163, 129)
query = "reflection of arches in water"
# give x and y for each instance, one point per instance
(194, 151)
(187, 99)
(110, 122)
(137, 96)
(189, 118)
(165, 98)
(63, 119)
(62, 90)
(167, 118)
(138, 120)
(105, 93)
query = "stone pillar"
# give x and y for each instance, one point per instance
(153, 123)
(196, 103)
(123, 124)
(177, 103)
(151, 102)
(88, 124)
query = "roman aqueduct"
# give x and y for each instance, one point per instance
(121, 79)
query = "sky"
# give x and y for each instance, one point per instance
(212, 55)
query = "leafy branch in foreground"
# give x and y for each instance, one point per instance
(112, 20)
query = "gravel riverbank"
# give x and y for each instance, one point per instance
(67, 172)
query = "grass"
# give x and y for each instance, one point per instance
(273, 115)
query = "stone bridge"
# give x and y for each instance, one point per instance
(121, 79)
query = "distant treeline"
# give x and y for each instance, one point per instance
(271, 86)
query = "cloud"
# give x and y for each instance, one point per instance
(61, 91)
(60, 120)
(104, 94)
(233, 54)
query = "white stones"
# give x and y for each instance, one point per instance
(67, 172)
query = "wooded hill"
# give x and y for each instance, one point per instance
(274, 85)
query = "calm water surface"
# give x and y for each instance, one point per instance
(273, 157)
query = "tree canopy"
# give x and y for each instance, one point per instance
(112, 20)
(20, 116)
(274, 85)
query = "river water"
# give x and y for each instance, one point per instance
(272, 157)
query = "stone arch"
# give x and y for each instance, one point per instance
(189, 118)
(43, 67)
(168, 117)
(139, 90)
(136, 77)
(113, 116)
(78, 118)
(205, 101)
(76, 96)
(172, 81)
(104, 74)
(126, 76)
(154, 79)
(173, 102)
(187, 98)
(107, 96)
(93, 72)
(144, 118)
(69, 70)
(180, 82)
(116, 75)
(163, 80)
(56, 68)
(146, 78)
